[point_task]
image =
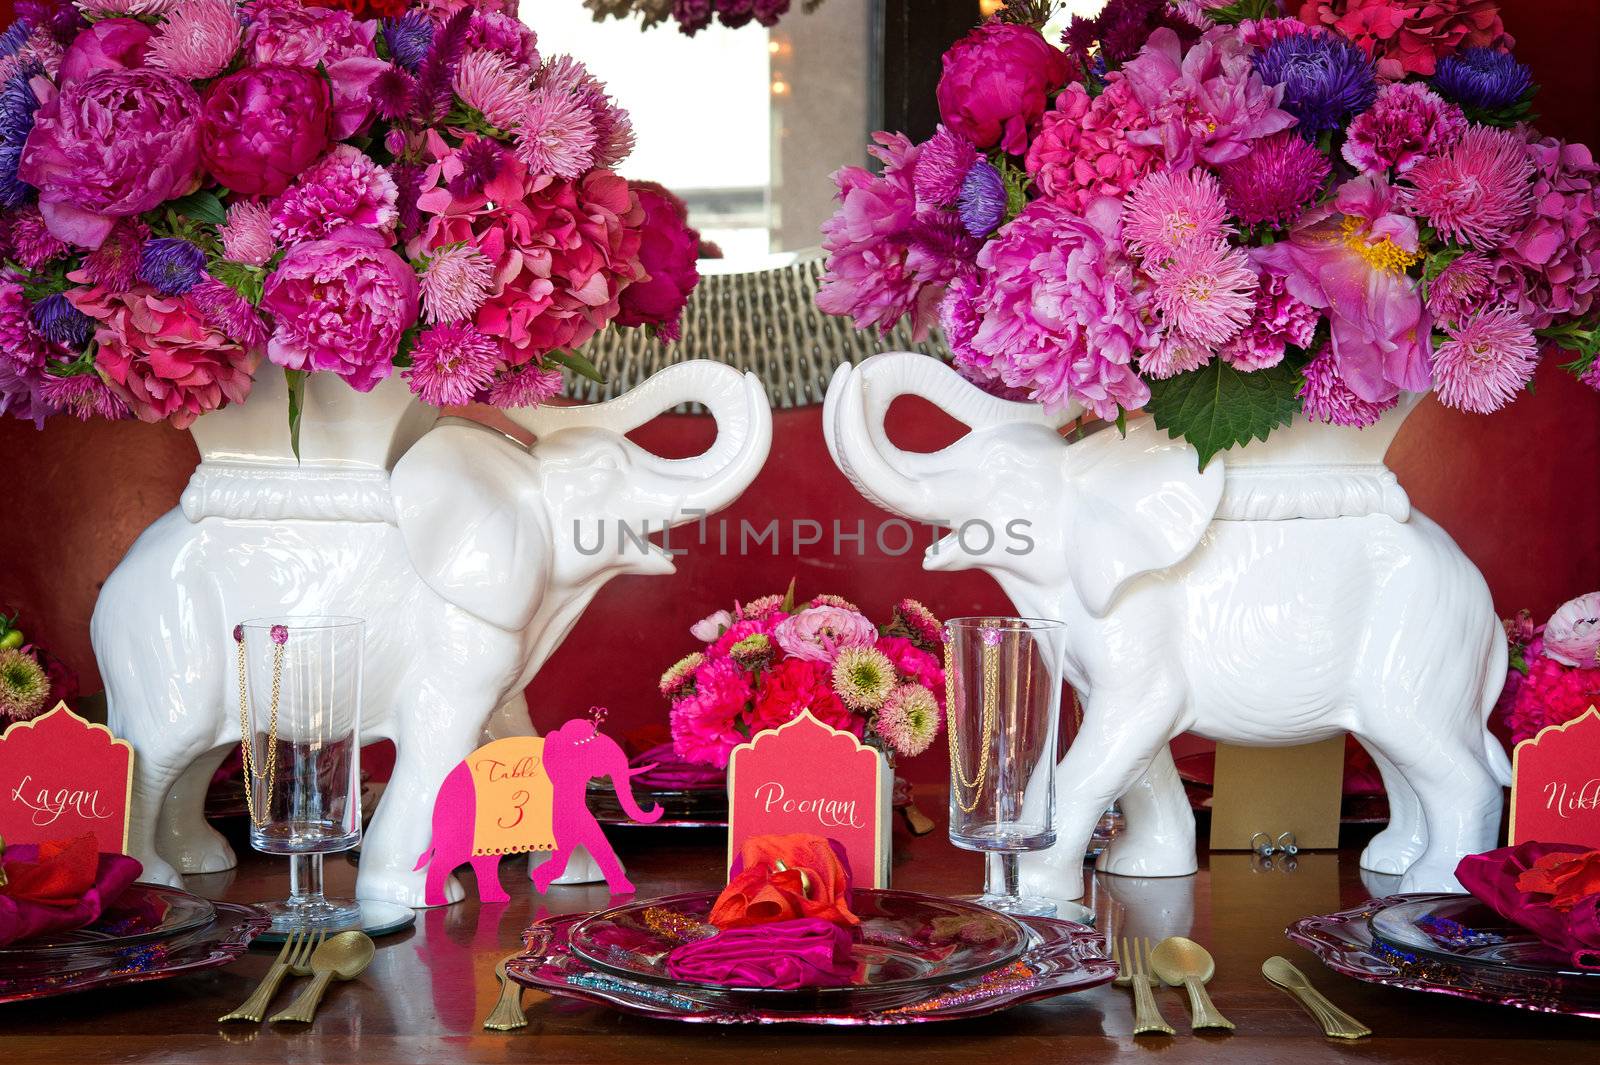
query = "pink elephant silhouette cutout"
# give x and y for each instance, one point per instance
(529, 793)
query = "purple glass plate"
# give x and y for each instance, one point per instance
(906, 941)
(142, 912)
(218, 943)
(1344, 943)
(1463, 931)
(1060, 958)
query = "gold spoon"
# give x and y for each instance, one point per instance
(1336, 1023)
(1177, 960)
(344, 956)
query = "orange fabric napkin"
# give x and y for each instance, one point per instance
(59, 876)
(814, 882)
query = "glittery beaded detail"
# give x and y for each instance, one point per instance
(670, 924)
(1014, 978)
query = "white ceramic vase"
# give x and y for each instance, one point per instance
(1286, 593)
(469, 555)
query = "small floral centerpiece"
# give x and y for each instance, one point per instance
(765, 661)
(190, 189)
(31, 679)
(1232, 212)
(1555, 668)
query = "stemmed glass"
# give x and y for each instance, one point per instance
(300, 719)
(1002, 697)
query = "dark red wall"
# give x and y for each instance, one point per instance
(1519, 491)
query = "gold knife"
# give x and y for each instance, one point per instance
(1336, 1023)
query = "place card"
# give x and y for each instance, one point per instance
(806, 776)
(1555, 784)
(62, 776)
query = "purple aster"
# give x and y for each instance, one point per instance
(1325, 79)
(171, 265)
(1482, 79)
(409, 38)
(1275, 181)
(60, 321)
(15, 36)
(17, 106)
(983, 199)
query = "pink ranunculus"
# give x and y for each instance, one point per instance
(341, 304)
(997, 82)
(263, 125)
(160, 355)
(110, 44)
(820, 633)
(332, 40)
(563, 251)
(668, 252)
(710, 627)
(1572, 636)
(110, 145)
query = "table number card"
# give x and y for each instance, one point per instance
(62, 776)
(805, 776)
(1555, 784)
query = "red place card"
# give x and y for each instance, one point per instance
(1555, 784)
(60, 777)
(805, 776)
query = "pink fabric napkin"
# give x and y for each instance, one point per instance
(789, 954)
(1492, 877)
(669, 773)
(51, 888)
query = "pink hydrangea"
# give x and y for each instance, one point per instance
(161, 357)
(889, 257)
(996, 84)
(340, 305)
(1551, 263)
(1084, 148)
(1410, 36)
(344, 187)
(1205, 105)
(1404, 124)
(668, 253)
(1058, 311)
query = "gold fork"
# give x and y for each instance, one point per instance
(294, 957)
(1134, 972)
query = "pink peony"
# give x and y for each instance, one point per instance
(889, 257)
(1572, 635)
(1084, 148)
(263, 125)
(819, 633)
(1551, 263)
(161, 357)
(110, 145)
(340, 304)
(334, 42)
(668, 252)
(1206, 104)
(563, 251)
(110, 44)
(1058, 312)
(1406, 123)
(345, 187)
(996, 84)
(197, 39)
(1410, 36)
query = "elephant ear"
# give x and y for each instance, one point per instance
(468, 504)
(1137, 504)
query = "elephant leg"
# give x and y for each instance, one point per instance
(156, 769)
(1121, 736)
(509, 719)
(599, 848)
(546, 872)
(183, 836)
(581, 867)
(1158, 839)
(1398, 846)
(486, 867)
(1459, 797)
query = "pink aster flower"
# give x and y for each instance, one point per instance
(115, 264)
(1476, 191)
(526, 386)
(495, 87)
(1206, 104)
(555, 135)
(84, 396)
(98, 9)
(1279, 320)
(32, 243)
(455, 282)
(1275, 182)
(1326, 398)
(247, 234)
(1168, 211)
(224, 309)
(942, 165)
(1406, 123)
(452, 363)
(1084, 148)
(908, 720)
(1552, 261)
(1460, 287)
(1488, 359)
(1172, 355)
(197, 39)
(343, 188)
(1207, 292)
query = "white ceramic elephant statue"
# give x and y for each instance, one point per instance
(478, 556)
(1254, 602)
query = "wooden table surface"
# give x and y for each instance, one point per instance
(429, 989)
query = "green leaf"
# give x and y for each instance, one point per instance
(788, 597)
(578, 364)
(202, 206)
(297, 402)
(248, 281)
(1216, 407)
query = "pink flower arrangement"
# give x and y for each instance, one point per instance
(193, 189)
(1345, 200)
(766, 661)
(1555, 668)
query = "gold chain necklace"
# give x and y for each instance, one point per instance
(991, 685)
(252, 774)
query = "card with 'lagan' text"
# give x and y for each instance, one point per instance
(1555, 784)
(60, 777)
(805, 776)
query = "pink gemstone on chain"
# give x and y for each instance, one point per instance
(238, 634)
(991, 637)
(280, 634)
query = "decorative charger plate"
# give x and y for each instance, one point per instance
(1460, 930)
(142, 912)
(1345, 943)
(222, 940)
(906, 942)
(1058, 958)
